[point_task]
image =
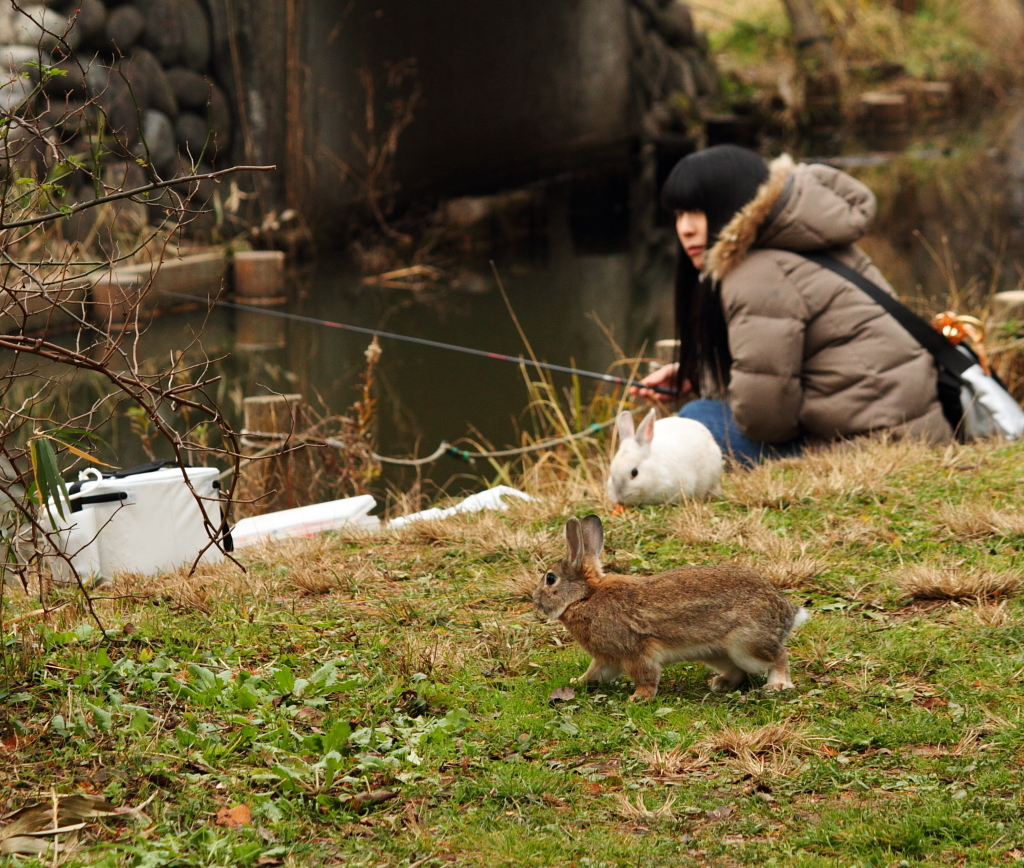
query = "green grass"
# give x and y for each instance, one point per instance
(969, 43)
(413, 663)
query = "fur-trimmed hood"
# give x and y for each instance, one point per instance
(801, 208)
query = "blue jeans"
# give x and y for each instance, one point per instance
(717, 417)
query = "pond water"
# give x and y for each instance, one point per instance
(950, 224)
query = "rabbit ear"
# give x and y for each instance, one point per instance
(593, 537)
(645, 433)
(574, 537)
(625, 425)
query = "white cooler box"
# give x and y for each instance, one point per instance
(148, 522)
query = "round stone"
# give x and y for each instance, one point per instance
(67, 78)
(195, 44)
(22, 58)
(125, 25)
(191, 90)
(149, 81)
(164, 32)
(89, 19)
(192, 132)
(156, 144)
(15, 92)
(42, 27)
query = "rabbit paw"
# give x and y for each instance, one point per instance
(643, 693)
(779, 685)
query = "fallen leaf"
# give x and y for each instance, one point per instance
(365, 800)
(38, 816)
(10, 743)
(239, 815)
(269, 860)
(23, 846)
(716, 814)
(562, 694)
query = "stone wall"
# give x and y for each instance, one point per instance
(131, 93)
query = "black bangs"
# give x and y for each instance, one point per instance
(718, 181)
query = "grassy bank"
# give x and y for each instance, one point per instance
(243, 718)
(973, 44)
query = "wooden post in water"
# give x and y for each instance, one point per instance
(272, 479)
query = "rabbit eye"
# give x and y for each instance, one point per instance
(550, 579)
(633, 472)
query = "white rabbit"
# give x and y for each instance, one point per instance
(664, 461)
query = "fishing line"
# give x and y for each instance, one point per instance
(520, 360)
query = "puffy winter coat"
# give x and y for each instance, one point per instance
(812, 353)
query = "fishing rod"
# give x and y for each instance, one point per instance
(548, 366)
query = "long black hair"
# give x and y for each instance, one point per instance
(718, 181)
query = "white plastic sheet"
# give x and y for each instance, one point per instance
(307, 521)
(490, 499)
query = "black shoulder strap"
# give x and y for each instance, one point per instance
(946, 355)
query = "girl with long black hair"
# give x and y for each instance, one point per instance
(781, 351)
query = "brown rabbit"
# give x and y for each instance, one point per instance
(729, 618)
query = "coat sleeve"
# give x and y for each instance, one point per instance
(766, 317)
